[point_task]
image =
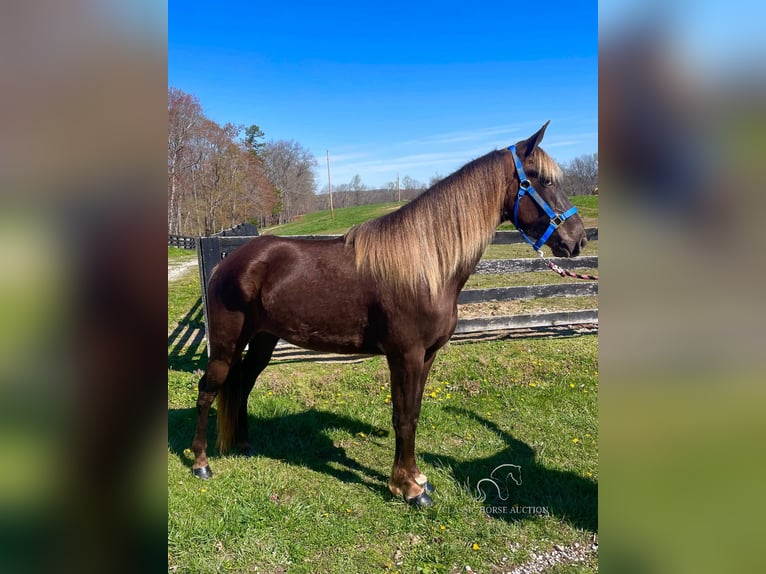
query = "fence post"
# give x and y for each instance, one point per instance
(208, 256)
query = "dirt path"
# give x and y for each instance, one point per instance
(178, 269)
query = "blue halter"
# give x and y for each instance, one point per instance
(525, 188)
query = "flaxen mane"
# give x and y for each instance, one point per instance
(445, 230)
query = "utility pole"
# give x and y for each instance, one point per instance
(329, 185)
(398, 189)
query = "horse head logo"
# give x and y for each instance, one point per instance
(497, 482)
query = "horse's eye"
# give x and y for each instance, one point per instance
(547, 182)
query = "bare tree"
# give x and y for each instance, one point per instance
(434, 179)
(581, 175)
(184, 117)
(290, 169)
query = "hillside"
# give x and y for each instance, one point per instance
(320, 222)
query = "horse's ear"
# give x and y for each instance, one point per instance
(527, 146)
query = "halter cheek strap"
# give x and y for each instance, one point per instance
(525, 188)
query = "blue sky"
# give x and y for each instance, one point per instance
(417, 88)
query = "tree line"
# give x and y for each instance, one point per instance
(219, 176)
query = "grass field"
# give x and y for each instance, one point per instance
(314, 497)
(320, 222)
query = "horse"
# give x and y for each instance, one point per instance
(389, 286)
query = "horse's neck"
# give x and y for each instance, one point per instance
(466, 270)
(462, 275)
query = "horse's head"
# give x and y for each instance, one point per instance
(535, 203)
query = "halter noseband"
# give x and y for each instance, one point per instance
(525, 188)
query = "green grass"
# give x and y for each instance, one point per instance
(178, 254)
(320, 222)
(314, 498)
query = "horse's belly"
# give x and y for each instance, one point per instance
(332, 345)
(343, 329)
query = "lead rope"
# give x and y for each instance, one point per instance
(563, 272)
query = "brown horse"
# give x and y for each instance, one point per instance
(389, 286)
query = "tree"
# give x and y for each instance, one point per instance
(184, 117)
(435, 178)
(357, 187)
(289, 168)
(253, 140)
(580, 175)
(409, 183)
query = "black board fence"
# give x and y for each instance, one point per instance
(182, 241)
(211, 250)
(247, 230)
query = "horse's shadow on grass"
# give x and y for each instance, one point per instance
(302, 439)
(185, 342)
(299, 439)
(512, 485)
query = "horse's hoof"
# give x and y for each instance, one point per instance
(204, 473)
(422, 500)
(428, 487)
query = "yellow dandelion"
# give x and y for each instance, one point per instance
(589, 474)
(532, 384)
(571, 385)
(475, 546)
(433, 395)
(442, 527)
(575, 440)
(203, 489)
(449, 395)
(361, 435)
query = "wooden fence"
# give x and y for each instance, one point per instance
(182, 241)
(246, 230)
(211, 250)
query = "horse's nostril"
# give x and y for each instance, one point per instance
(577, 246)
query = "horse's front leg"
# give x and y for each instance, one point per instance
(409, 372)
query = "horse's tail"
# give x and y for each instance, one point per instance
(229, 402)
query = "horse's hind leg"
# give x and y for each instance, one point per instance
(224, 358)
(256, 359)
